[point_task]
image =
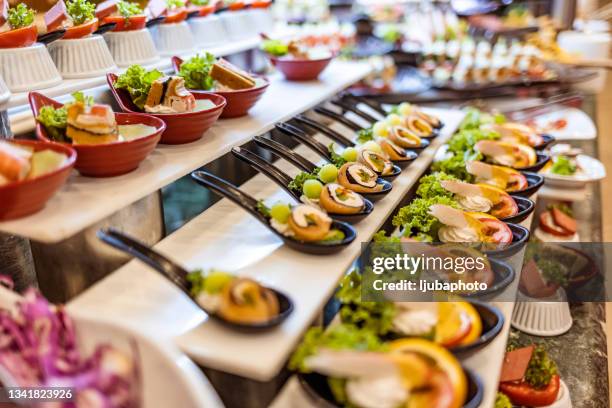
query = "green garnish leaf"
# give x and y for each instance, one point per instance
(175, 4)
(80, 11)
(540, 369)
(429, 186)
(563, 166)
(211, 282)
(415, 217)
(80, 97)
(275, 47)
(55, 122)
(200, 2)
(335, 158)
(128, 9)
(453, 166)
(196, 72)
(502, 401)
(298, 181)
(20, 16)
(137, 81)
(263, 209)
(365, 135)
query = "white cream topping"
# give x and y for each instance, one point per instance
(474, 203)
(456, 234)
(415, 320)
(377, 392)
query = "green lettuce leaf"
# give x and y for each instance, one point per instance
(137, 81)
(196, 72)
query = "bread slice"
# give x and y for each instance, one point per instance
(231, 76)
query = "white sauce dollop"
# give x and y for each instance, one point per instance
(377, 392)
(454, 234)
(415, 321)
(475, 203)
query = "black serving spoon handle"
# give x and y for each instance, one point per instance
(105, 28)
(284, 152)
(270, 170)
(375, 105)
(168, 268)
(302, 137)
(49, 37)
(155, 21)
(327, 131)
(338, 118)
(353, 108)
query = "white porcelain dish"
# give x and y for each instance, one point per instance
(208, 31)
(132, 47)
(238, 25)
(579, 124)
(86, 57)
(262, 19)
(173, 39)
(591, 170)
(28, 68)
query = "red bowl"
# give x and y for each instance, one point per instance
(301, 70)
(26, 197)
(109, 159)
(238, 102)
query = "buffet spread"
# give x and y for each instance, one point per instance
(237, 288)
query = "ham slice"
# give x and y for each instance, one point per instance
(515, 364)
(106, 8)
(56, 16)
(564, 221)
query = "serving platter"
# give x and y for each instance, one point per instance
(226, 237)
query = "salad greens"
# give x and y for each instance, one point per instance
(196, 72)
(464, 141)
(553, 271)
(365, 135)
(454, 166)
(275, 47)
(80, 11)
(200, 2)
(339, 337)
(298, 181)
(415, 217)
(128, 9)
(263, 209)
(20, 16)
(335, 158)
(540, 369)
(55, 120)
(563, 166)
(175, 4)
(429, 186)
(475, 118)
(502, 401)
(137, 81)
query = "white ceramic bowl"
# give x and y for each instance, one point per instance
(173, 39)
(28, 68)
(591, 170)
(82, 57)
(208, 31)
(238, 25)
(547, 317)
(132, 47)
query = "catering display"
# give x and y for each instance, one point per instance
(173, 35)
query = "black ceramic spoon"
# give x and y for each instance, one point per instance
(300, 162)
(352, 107)
(321, 149)
(178, 275)
(375, 105)
(105, 28)
(250, 204)
(54, 35)
(155, 21)
(338, 118)
(283, 180)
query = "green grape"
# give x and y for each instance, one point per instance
(280, 212)
(404, 108)
(372, 147)
(381, 129)
(350, 154)
(312, 188)
(328, 173)
(394, 119)
(215, 281)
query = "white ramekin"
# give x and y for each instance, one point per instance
(82, 57)
(28, 68)
(238, 25)
(542, 317)
(132, 47)
(208, 31)
(173, 39)
(262, 20)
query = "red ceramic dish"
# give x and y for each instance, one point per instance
(21, 37)
(238, 102)
(301, 70)
(180, 127)
(82, 30)
(127, 24)
(29, 196)
(109, 159)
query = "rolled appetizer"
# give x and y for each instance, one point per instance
(235, 299)
(394, 151)
(17, 28)
(481, 198)
(83, 122)
(513, 132)
(76, 16)
(406, 109)
(376, 161)
(18, 163)
(126, 15)
(358, 177)
(507, 154)
(403, 137)
(529, 377)
(302, 222)
(502, 177)
(460, 226)
(205, 72)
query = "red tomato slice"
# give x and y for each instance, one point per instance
(175, 17)
(261, 4)
(564, 221)
(524, 395)
(237, 5)
(127, 24)
(206, 10)
(507, 207)
(21, 37)
(497, 230)
(517, 182)
(547, 223)
(82, 30)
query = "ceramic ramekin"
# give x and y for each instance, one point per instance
(82, 57)
(132, 47)
(172, 39)
(208, 31)
(238, 25)
(28, 68)
(546, 317)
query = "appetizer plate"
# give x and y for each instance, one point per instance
(316, 387)
(525, 207)
(542, 159)
(29, 196)
(132, 47)
(180, 127)
(592, 170)
(28, 68)
(301, 70)
(238, 101)
(534, 182)
(108, 159)
(578, 125)
(79, 58)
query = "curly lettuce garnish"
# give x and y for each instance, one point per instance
(211, 282)
(196, 72)
(137, 81)
(298, 181)
(416, 220)
(453, 166)
(464, 141)
(365, 135)
(175, 4)
(335, 158)
(127, 9)
(563, 166)
(20, 16)
(429, 186)
(55, 120)
(80, 11)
